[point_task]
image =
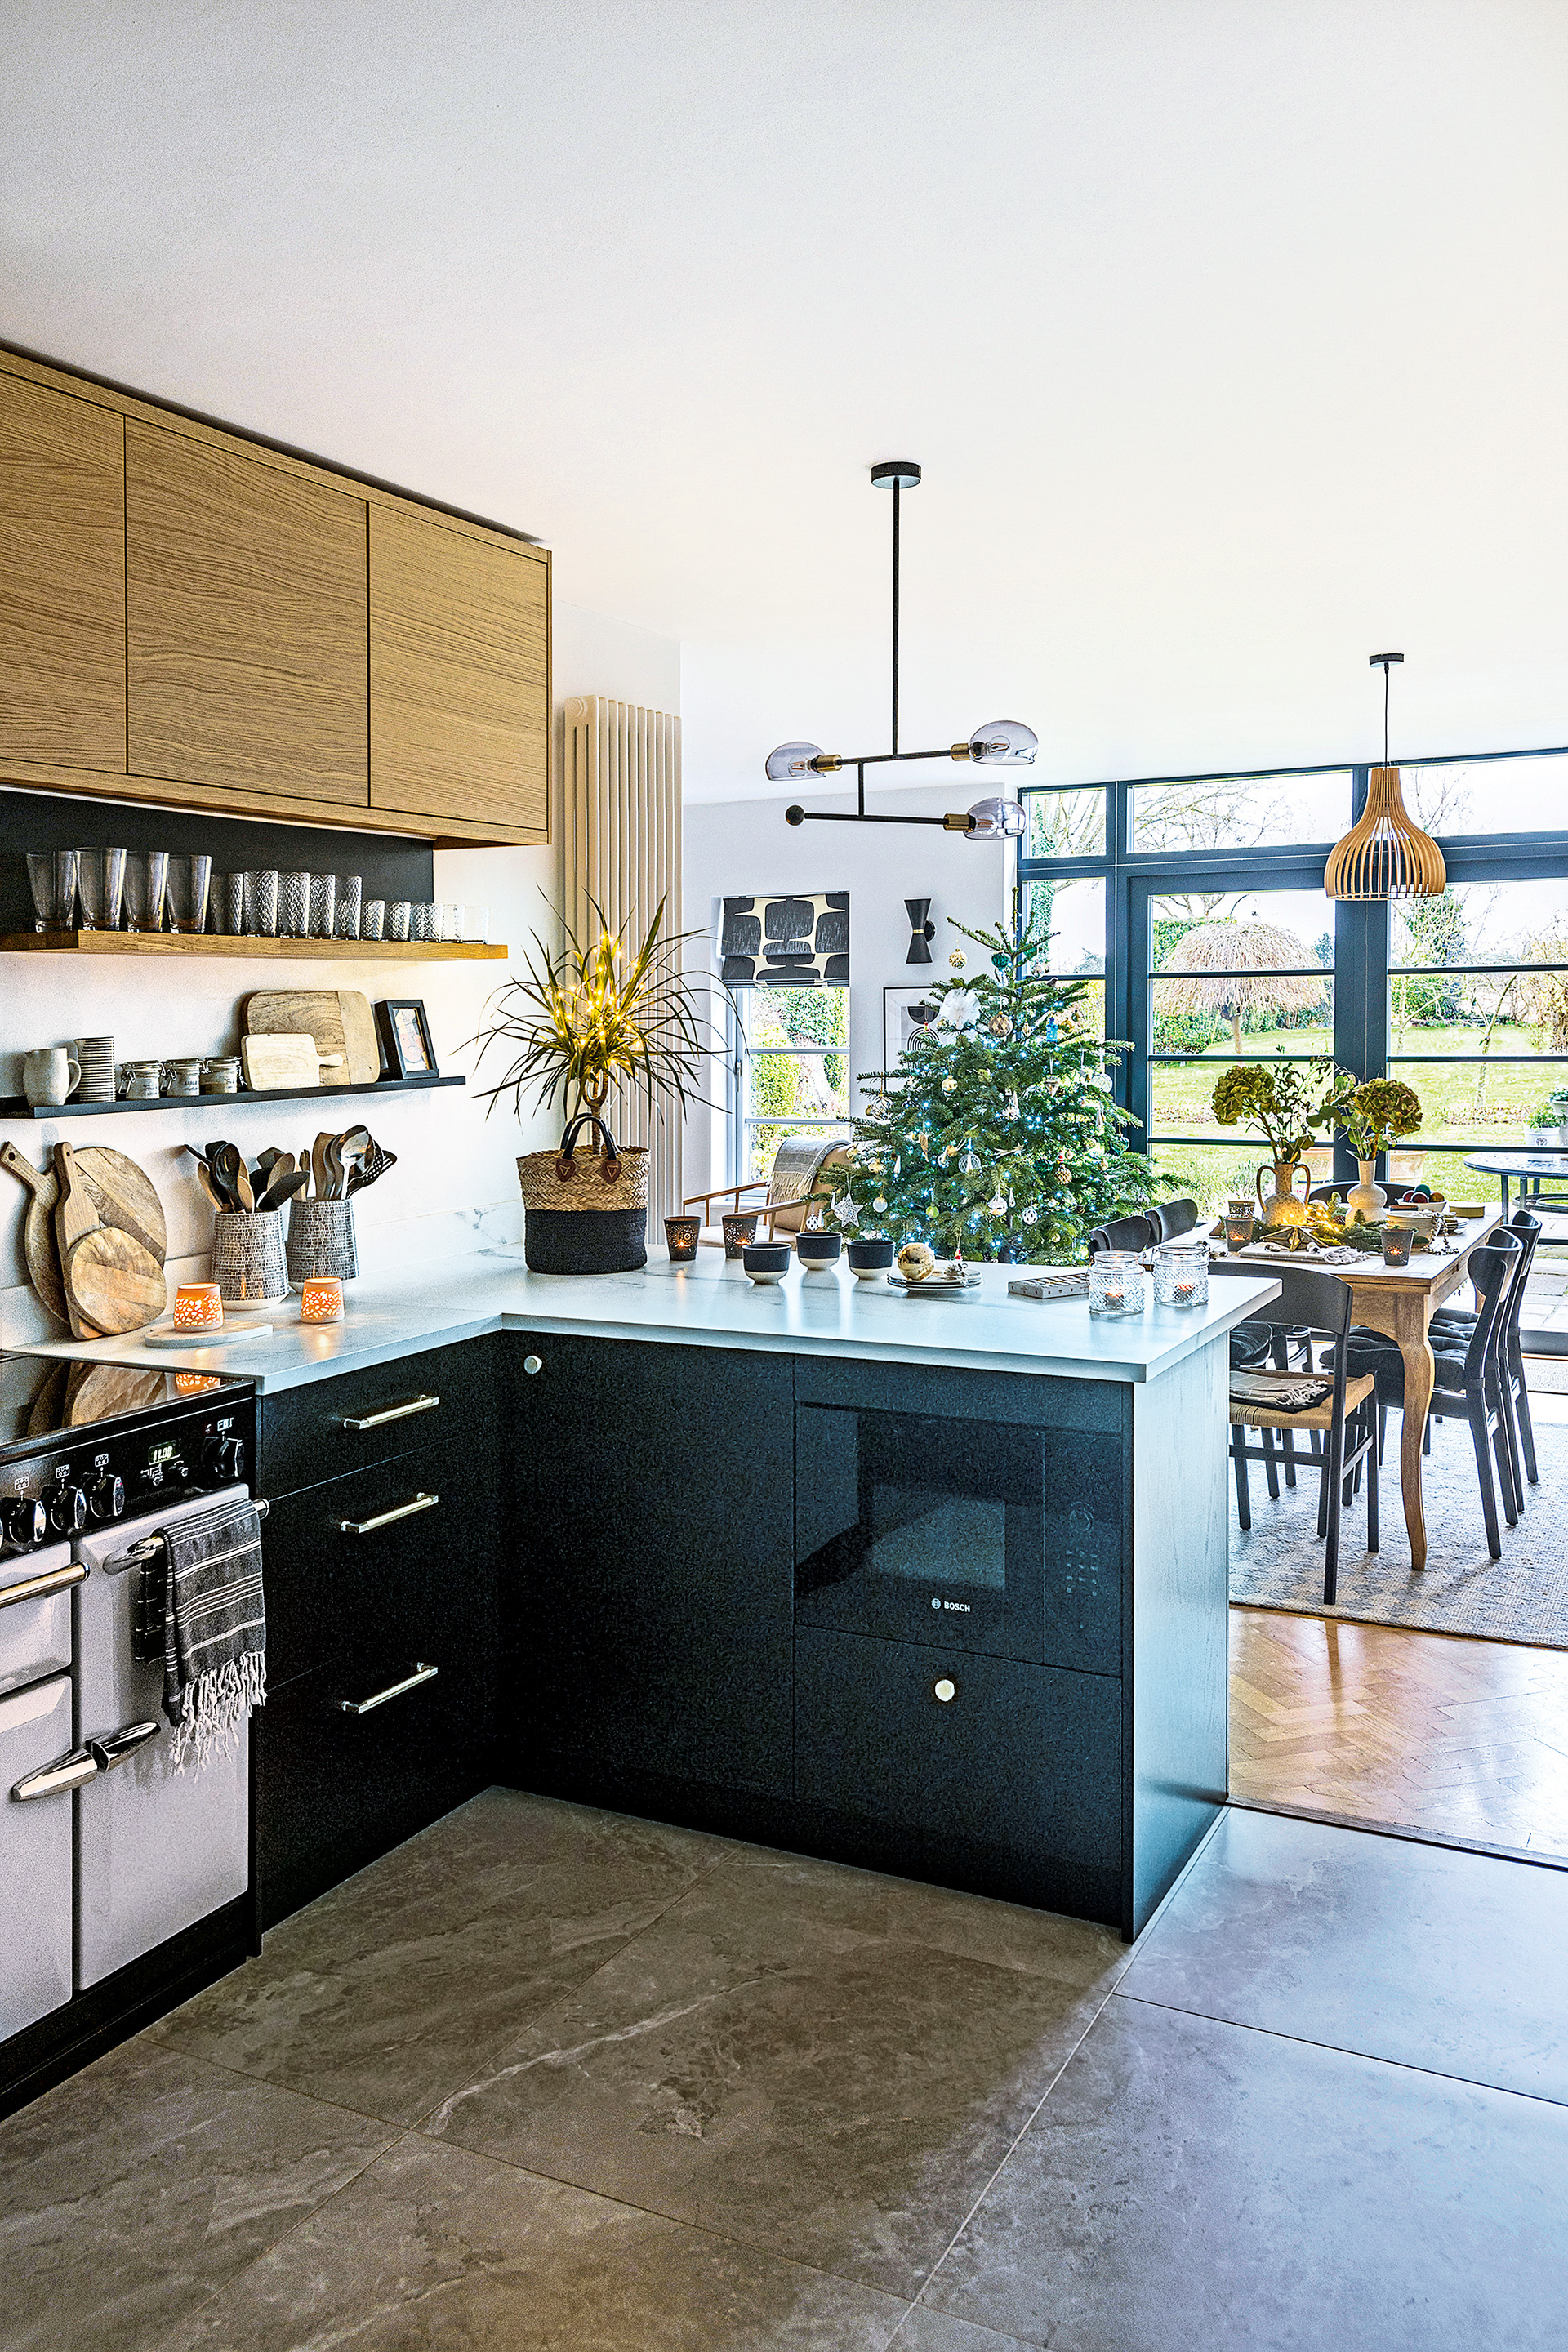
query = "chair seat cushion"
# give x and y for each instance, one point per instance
(1369, 1352)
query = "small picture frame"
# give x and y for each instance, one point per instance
(405, 1037)
(905, 1012)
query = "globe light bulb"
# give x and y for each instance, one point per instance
(995, 820)
(1005, 739)
(791, 760)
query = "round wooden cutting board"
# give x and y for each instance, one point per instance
(114, 1284)
(123, 1193)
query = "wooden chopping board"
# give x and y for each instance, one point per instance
(339, 1019)
(275, 1064)
(123, 1193)
(113, 1283)
(95, 1392)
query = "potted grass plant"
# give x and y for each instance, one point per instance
(595, 1014)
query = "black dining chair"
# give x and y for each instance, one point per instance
(1173, 1218)
(1459, 1323)
(1125, 1234)
(1344, 1424)
(1468, 1386)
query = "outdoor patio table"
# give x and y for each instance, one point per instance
(1401, 1304)
(1530, 1170)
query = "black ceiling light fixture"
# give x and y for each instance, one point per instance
(1000, 743)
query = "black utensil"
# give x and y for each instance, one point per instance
(283, 1188)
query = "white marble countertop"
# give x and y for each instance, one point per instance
(709, 1305)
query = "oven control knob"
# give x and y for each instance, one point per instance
(25, 1523)
(223, 1460)
(67, 1510)
(106, 1496)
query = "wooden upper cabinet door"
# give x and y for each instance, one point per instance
(245, 622)
(459, 709)
(62, 579)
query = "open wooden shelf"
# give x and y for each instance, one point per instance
(210, 943)
(19, 1107)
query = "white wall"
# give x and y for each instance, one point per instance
(455, 1185)
(737, 847)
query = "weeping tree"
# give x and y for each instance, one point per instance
(1237, 969)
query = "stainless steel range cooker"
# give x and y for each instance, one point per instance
(106, 1853)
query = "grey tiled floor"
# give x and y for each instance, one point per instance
(549, 2078)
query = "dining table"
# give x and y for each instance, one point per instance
(1399, 1301)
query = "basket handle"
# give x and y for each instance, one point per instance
(566, 1167)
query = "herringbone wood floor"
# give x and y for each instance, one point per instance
(1430, 1730)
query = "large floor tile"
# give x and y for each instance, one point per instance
(395, 1988)
(134, 2191)
(1190, 2183)
(1437, 1958)
(445, 2252)
(789, 2059)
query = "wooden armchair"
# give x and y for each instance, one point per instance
(783, 1199)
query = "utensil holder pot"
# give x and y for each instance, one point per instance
(322, 1239)
(248, 1264)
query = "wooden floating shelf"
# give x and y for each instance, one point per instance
(211, 943)
(19, 1107)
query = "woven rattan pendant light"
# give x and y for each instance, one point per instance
(1385, 855)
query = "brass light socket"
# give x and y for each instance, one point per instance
(960, 823)
(828, 763)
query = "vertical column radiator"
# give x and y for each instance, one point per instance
(620, 846)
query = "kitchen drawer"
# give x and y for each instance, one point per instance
(35, 1632)
(334, 1789)
(446, 1397)
(1022, 1767)
(929, 1389)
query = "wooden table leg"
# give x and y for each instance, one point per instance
(1419, 1374)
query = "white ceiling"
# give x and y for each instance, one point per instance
(1232, 334)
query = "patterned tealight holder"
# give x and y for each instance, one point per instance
(1238, 1229)
(681, 1235)
(740, 1227)
(320, 1299)
(1397, 1240)
(199, 1307)
(1116, 1283)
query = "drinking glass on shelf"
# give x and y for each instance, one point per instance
(190, 878)
(351, 896)
(52, 875)
(323, 905)
(424, 921)
(228, 904)
(294, 906)
(100, 885)
(399, 917)
(373, 918)
(261, 901)
(448, 916)
(474, 923)
(146, 873)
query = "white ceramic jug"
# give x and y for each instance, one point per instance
(50, 1076)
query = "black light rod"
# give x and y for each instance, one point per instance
(882, 759)
(896, 619)
(849, 816)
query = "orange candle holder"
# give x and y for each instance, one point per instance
(199, 1307)
(322, 1298)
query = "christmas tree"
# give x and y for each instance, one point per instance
(997, 1134)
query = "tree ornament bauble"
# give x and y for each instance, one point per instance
(1000, 961)
(970, 1163)
(1001, 1025)
(1031, 1216)
(879, 1206)
(957, 959)
(996, 1204)
(949, 1085)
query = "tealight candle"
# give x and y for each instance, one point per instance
(322, 1298)
(199, 1307)
(681, 1235)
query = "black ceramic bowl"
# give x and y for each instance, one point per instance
(766, 1261)
(818, 1249)
(869, 1259)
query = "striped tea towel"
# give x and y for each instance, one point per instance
(215, 1629)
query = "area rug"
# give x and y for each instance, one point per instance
(1522, 1597)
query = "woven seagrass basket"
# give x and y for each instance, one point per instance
(586, 1210)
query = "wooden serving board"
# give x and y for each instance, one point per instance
(339, 1019)
(123, 1193)
(272, 1064)
(114, 1285)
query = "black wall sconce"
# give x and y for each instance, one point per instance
(922, 931)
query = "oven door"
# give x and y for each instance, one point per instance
(37, 1773)
(156, 1849)
(964, 1535)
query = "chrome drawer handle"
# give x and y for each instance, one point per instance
(34, 1587)
(385, 1518)
(108, 1752)
(65, 1772)
(421, 1673)
(392, 1413)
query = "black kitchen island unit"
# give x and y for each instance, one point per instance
(938, 1589)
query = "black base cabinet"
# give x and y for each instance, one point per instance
(375, 1574)
(649, 1609)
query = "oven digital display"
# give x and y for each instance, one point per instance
(168, 1452)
